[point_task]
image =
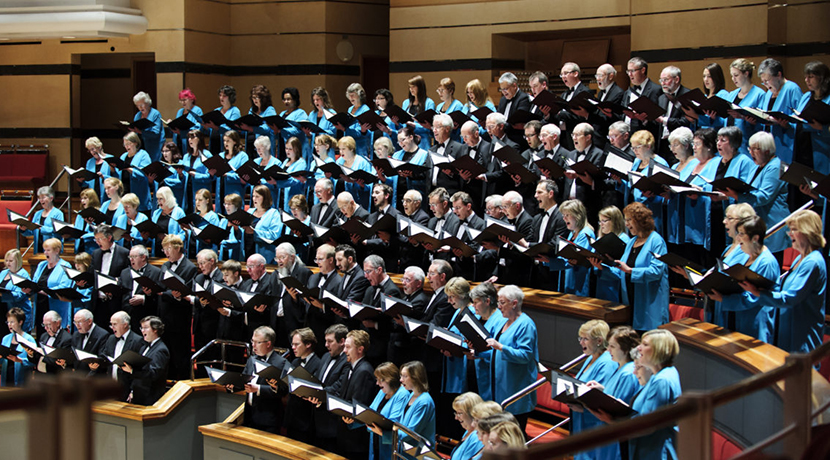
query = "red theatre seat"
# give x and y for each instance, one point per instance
(23, 170)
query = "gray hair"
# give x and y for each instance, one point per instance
(263, 141)
(141, 96)
(639, 62)
(414, 195)
(46, 190)
(257, 258)
(764, 141)
(287, 248)
(733, 134)
(140, 250)
(683, 135)
(207, 254)
(512, 292)
(508, 78)
(512, 197)
(470, 126)
(608, 69)
(84, 314)
(620, 127)
(443, 120)
(538, 75)
(167, 194)
(53, 315)
(494, 200)
(375, 261)
(417, 272)
(574, 67)
(674, 71)
(771, 66)
(551, 128)
(326, 183)
(497, 118)
(122, 317)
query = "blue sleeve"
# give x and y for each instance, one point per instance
(767, 189)
(269, 226)
(522, 351)
(264, 129)
(655, 269)
(800, 287)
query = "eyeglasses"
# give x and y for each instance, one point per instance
(566, 73)
(666, 80)
(630, 71)
(582, 339)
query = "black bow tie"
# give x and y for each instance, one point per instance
(122, 338)
(569, 91)
(636, 88)
(601, 93)
(260, 357)
(106, 251)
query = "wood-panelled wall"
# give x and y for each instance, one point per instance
(57, 92)
(466, 39)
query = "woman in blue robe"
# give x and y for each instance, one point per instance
(782, 95)
(230, 182)
(752, 318)
(50, 274)
(419, 414)
(411, 153)
(644, 279)
(166, 216)
(577, 279)
(129, 221)
(266, 228)
(800, 292)
(361, 191)
(697, 212)
(198, 176)
(611, 220)
(416, 103)
(112, 208)
(293, 114)
(713, 85)
(389, 129)
(680, 142)
(13, 296)
(293, 164)
(133, 177)
(469, 444)
(193, 113)
(262, 106)
(390, 402)
(265, 161)
(642, 143)
(227, 99)
(449, 104)
(769, 193)
(599, 368)
(319, 116)
(233, 247)
(622, 385)
(515, 354)
(44, 217)
(455, 368)
(484, 301)
(96, 165)
(360, 133)
(15, 373)
(817, 80)
(153, 136)
(658, 350)
(477, 98)
(745, 95)
(205, 211)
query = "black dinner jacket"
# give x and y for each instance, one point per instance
(453, 150)
(650, 90)
(269, 284)
(438, 312)
(556, 227)
(97, 339)
(325, 423)
(205, 319)
(120, 260)
(359, 387)
(63, 340)
(356, 287)
(676, 119)
(266, 410)
(521, 101)
(316, 319)
(379, 336)
(134, 342)
(524, 224)
(585, 193)
(375, 216)
(299, 413)
(149, 381)
(150, 305)
(294, 311)
(599, 120)
(450, 222)
(177, 314)
(361, 213)
(569, 118)
(419, 217)
(329, 216)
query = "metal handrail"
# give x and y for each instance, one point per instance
(32, 209)
(222, 343)
(535, 385)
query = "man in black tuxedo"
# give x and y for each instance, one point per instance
(499, 261)
(149, 381)
(109, 259)
(205, 317)
(318, 318)
(550, 135)
(299, 413)
(619, 134)
(288, 264)
(674, 116)
(263, 406)
(571, 77)
(481, 151)
(354, 284)
(121, 340)
(442, 127)
(382, 243)
(231, 325)
(594, 193)
(512, 99)
(443, 219)
(538, 82)
(325, 212)
(139, 301)
(609, 91)
(356, 384)
(379, 328)
(408, 253)
(403, 347)
(175, 310)
(268, 283)
(55, 337)
(349, 208)
(547, 226)
(535, 147)
(495, 179)
(641, 86)
(333, 369)
(467, 219)
(89, 337)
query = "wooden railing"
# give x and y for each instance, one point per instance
(694, 412)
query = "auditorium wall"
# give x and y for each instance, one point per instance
(58, 92)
